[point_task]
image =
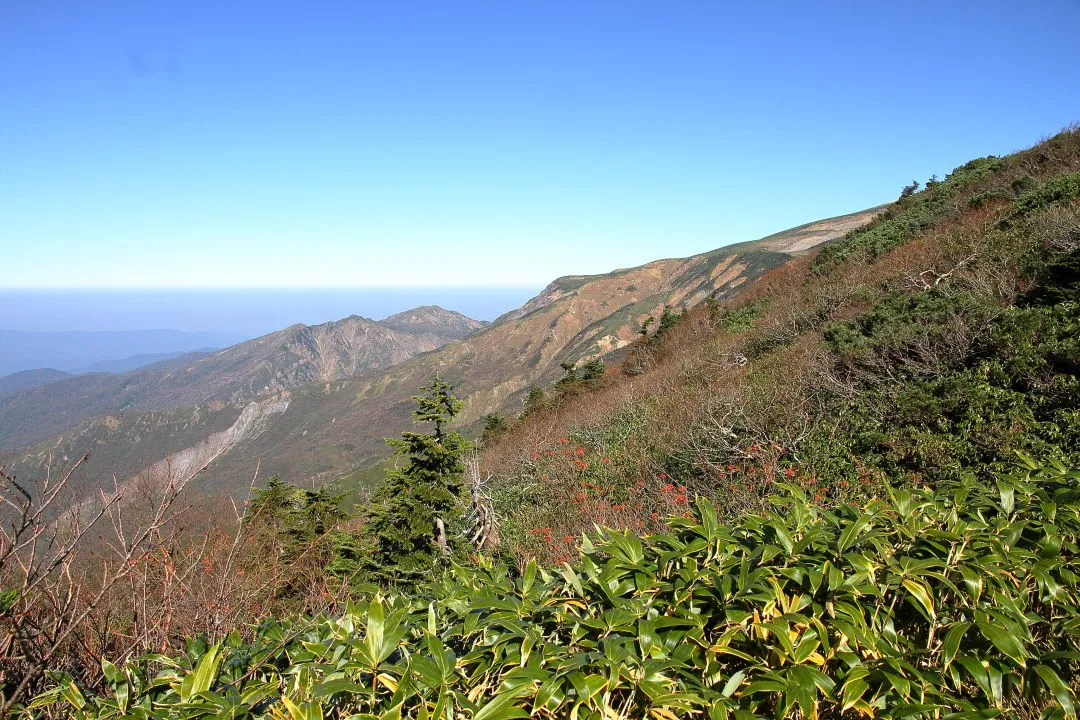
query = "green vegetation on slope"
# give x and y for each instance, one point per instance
(1016, 388)
(938, 340)
(920, 604)
(915, 213)
(803, 504)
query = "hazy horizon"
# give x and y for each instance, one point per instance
(240, 311)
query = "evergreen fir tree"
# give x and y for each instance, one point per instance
(533, 401)
(494, 426)
(644, 329)
(668, 320)
(407, 507)
(293, 517)
(593, 370)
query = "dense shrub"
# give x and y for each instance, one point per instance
(914, 213)
(944, 388)
(1056, 190)
(919, 604)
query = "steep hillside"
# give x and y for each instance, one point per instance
(938, 344)
(848, 489)
(297, 355)
(325, 429)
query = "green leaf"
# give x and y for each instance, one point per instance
(528, 577)
(74, 697)
(307, 711)
(973, 580)
(1027, 460)
(951, 644)
(708, 517)
(111, 672)
(375, 626)
(1008, 497)
(1004, 641)
(782, 535)
(733, 683)
(627, 548)
(342, 685)
(500, 707)
(8, 598)
(921, 593)
(1056, 686)
(853, 691)
(204, 675)
(978, 674)
(851, 533)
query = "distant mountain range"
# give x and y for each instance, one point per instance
(109, 351)
(141, 360)
(30, 378)
(313, 403)
(294, 356)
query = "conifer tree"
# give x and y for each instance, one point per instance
(644, 329)
(416, 514)
(533, 401)
(294, 517)
(668, 320)
(593, 370)
(494, 426)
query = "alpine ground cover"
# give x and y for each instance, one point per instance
(960, 601)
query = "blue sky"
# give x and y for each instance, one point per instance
(363, 144)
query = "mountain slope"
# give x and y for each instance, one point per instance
(294, 356)
(938, 344)
(327, 428)
(29, 378)
(142, 361)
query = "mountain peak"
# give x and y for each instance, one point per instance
(433, 319)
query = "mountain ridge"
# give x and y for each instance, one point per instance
(331, 427)
(23, 379)
(272, 363)
(73, 351)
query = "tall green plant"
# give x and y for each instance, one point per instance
(416, 513)
(293, 516)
